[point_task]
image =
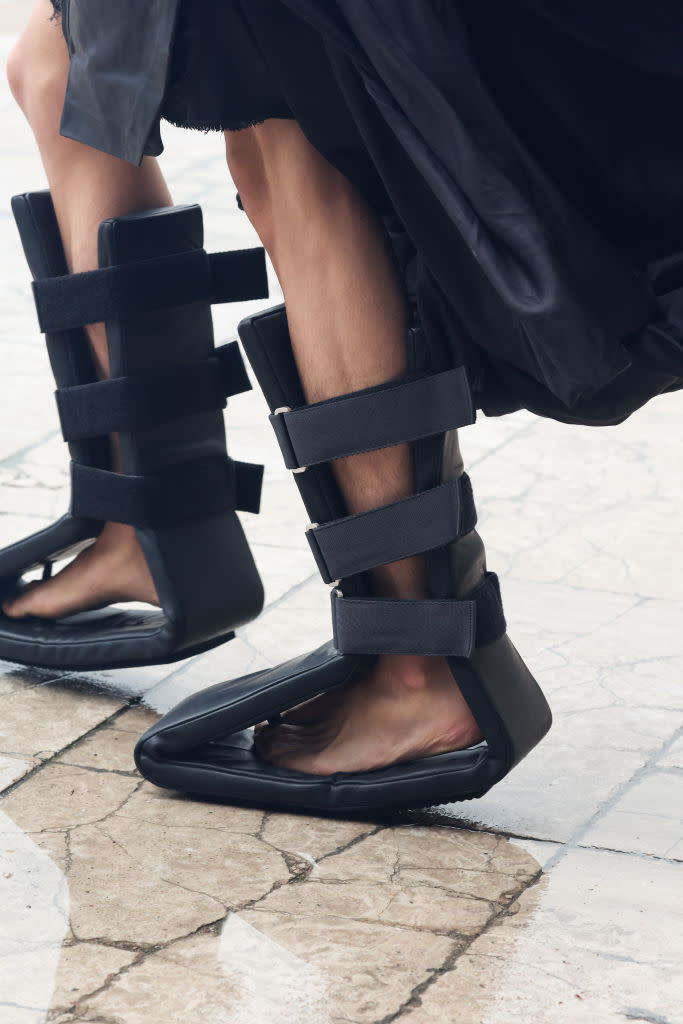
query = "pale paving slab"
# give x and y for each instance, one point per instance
(646, 819)
(674, 756)
(599, 940)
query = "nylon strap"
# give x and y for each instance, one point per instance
(166, 282)
(384, 626)
(376, 418)
(188, 491)
(409, 527)
(445, 628)
(127, 404)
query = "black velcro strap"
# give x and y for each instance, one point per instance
(127, 404)
(234, 376)
(248, 486)
(408, 527)
(385, 626)
(436, 628)
(166, 282)
(239, 276)
(182, 493)
(377, 418)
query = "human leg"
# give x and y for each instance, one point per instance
(348, 320)
(87, 187)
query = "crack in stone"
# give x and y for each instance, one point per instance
(411, 886)
(676, 861)
(353, 842)
(414, 1000)
(144, 953)
(574, 842)
(262, 827)
(21, 1006)
(42, 765)
(16, 457)
(132, 774)
(189, 889)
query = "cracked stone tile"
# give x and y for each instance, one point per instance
(647, 819)
(63, 797)
(369, 917)
(118, 896)
(674, 757)
(578, 948)
(555, 791)
(56, 846)
(14, 768)
(83, 968)
(150, 879)
(369, 969)
(238, 977)
(600, 738)
(481, 869)
(183, 985)
(310, 838)
(150, 805)
(423, 907)
(111, 747)
(650, 630)
(37, 720)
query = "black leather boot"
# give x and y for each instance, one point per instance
(165, 400)
(204, 747)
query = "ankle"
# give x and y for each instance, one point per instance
(408, 673)
(119, 541)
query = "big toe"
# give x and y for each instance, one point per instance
(18, 607)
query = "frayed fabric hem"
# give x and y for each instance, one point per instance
(208, 126)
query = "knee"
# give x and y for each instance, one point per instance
(37, 75)
(248, 172)
(287, 188)
(17, 72)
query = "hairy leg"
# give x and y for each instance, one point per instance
(347, 319)
(87, 187)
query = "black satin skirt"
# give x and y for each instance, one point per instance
(593, 91)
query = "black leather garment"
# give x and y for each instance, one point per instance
(529, 148)
(204, 746)
(165, 400)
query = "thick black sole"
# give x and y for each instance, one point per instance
(105, 666)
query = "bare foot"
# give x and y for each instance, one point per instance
(112, 569)
(407, 708)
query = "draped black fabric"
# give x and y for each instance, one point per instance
(528, 155)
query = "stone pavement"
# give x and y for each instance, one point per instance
(557, 899)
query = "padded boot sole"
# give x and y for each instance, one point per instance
(204, 747)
